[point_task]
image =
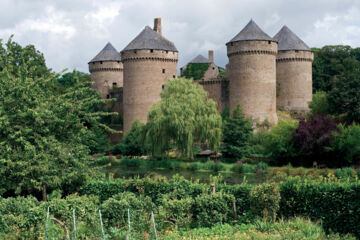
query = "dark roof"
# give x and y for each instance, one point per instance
(199, 59)
(149, 39)
(287, 40)
(109, 53)
(251, 32)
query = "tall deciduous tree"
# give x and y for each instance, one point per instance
(237, 131)
(42, 130)
(184, 116)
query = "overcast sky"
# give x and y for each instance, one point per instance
(71, 32)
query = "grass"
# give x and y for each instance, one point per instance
(297, 228)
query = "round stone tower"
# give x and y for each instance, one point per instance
(252, 73)
(293, 72)
(106, 70)
(149, 60)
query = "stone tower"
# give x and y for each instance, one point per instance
(106, 71)
(149, 60)
(293, 71)
(252, 73)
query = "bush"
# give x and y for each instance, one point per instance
(115, 211)
(133, 162)
(278, 142)
(244, 168)
(344, 172)
(196, 166)
(210, 209)
(313, 136)
(176, 212)
(264, 200)
(262, 166)
(131, 145)
(335, 203)
(319, 104)
(217, 167)
(346, 145)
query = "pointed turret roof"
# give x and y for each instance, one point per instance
(251, 32)
(287, 40)
(150, 39)
(109, 53)
(199, 59)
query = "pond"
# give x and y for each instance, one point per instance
(229, 178)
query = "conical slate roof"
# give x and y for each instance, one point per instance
(251, 32)
(199, 59)
(149, 39)
(109, 53)
(287, 40)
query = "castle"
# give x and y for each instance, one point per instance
(263, 73)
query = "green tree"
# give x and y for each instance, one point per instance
(237, 131)
(184, 117)
(131, 144)
(344, 98)
(319, 103)
(42, 130)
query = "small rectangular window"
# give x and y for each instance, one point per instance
(114, 84)
(108, 96)
(174, 76)
(163, 71)
(151, 50)
(101, 62)
(162, 86)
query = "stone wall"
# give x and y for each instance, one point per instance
(294, 80)
(145, 73)
(252, 76)
(105, 75)
(218, 90)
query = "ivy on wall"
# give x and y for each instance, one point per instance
(195, 70)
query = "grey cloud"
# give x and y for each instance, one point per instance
(76, 30)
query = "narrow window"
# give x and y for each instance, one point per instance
(101, 62)
(108, 96)
(151, 50)
(174, 76)
(163, 71)
(232, 44)
(296, 50)
(269, 42)
(134, 51)
(114, 84)
(162, 86)
(213, 68)
(167, 51)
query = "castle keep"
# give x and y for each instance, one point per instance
(263, 73)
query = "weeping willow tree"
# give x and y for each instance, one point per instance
(184, 116)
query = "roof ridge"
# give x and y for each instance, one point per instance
(108, 53)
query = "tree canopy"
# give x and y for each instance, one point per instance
(237, 131)
(184, 116)
(42, 129)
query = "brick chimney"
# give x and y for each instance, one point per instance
(157, 25)
(211, 56)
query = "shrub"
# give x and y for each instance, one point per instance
(313, 136)
(335, 203)
(196, 166)
(262, 166)
(346, 145)
(209, 209)
(115, 211)
(244, 168)
(131, 145)
(176, 212)
(209, 165)
(237, 131)
(344, 172)
(319, 104)
(264, 200)
(133, 162)
(278, 142)
(217, 167)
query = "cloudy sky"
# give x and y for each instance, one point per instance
(72, 32)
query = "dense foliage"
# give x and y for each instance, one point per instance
(236, 134)
(336, 71)
(132, 144)
(195, 71)
(41, 128)
(319, 104)
(186, 204)
(312, 137)
(183, 117)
